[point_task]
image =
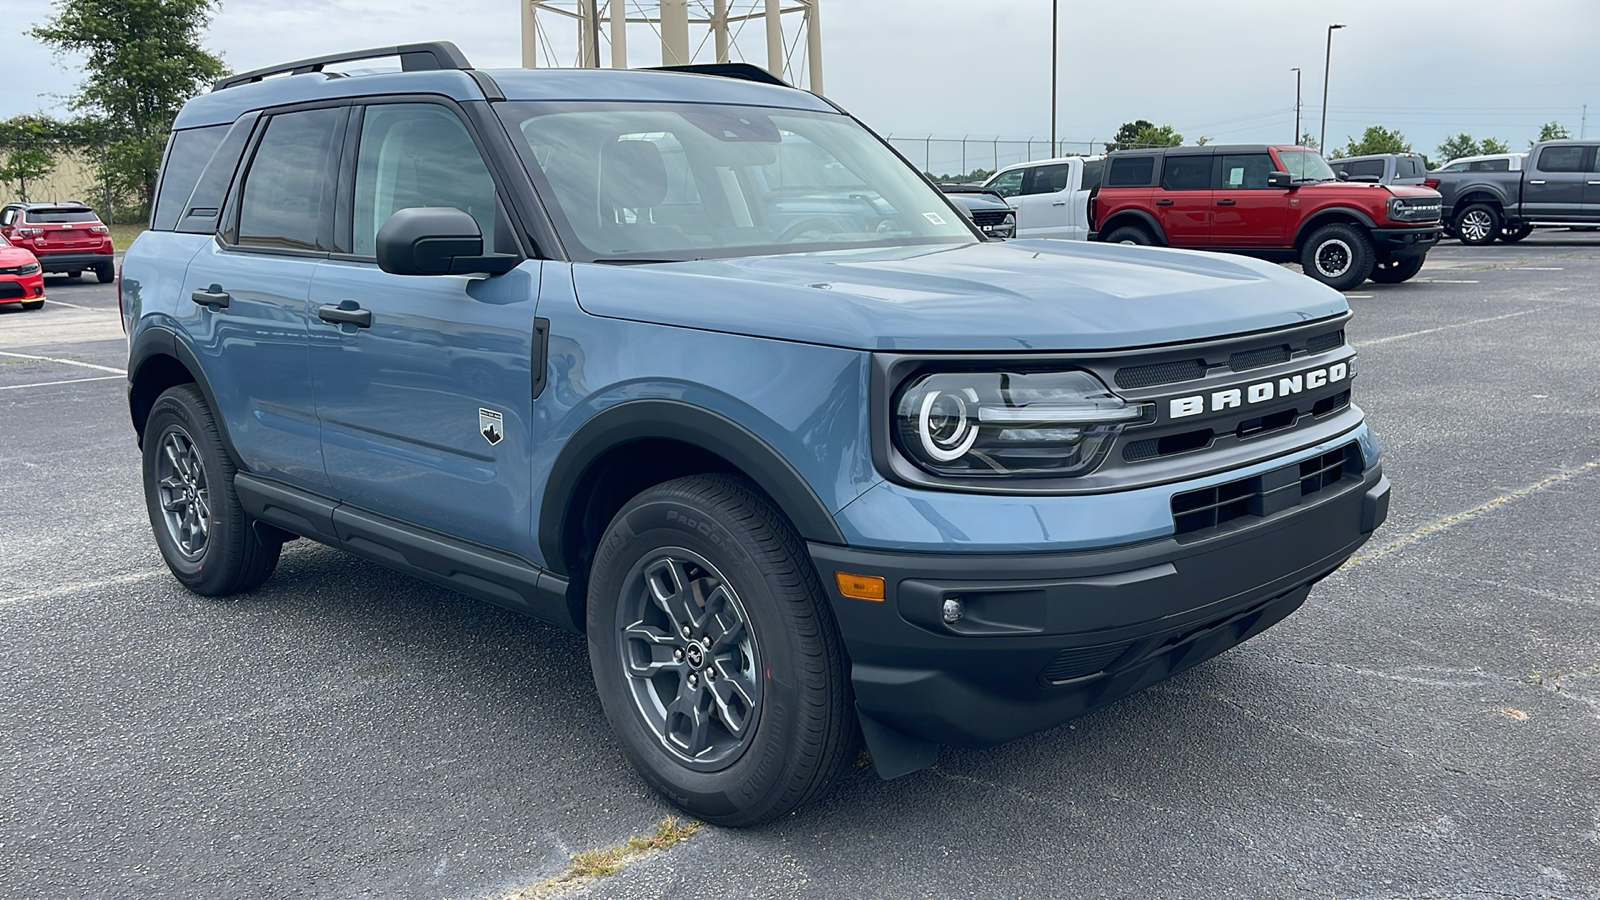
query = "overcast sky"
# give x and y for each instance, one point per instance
(1219, 68)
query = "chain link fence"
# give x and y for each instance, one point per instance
(973, 158)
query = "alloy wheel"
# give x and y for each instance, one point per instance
(1475, 225)
(185, 497)
(1334, 258)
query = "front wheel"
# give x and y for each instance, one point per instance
(1397, 271)
(1478, 224)
(33, 304)
(715, 653)
(1131, 234)
(1338, 255)
(205, 536)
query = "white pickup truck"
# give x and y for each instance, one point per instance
(1051, 196)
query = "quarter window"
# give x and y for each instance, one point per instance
(1186, 173)
(418, 154)
(288, 189)
(1246, 171)
(1132, 171)
(187, 155)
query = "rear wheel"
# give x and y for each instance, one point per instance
(1131, 234)
(105, 274)
(1338, 255)
(1397, 271)
(715, 653)
(1478, 224)
(203, 533)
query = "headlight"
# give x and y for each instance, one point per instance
(1402, 210)
(1040, 424)
(28, 269)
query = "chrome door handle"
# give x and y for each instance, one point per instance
(1540, 181)
(1594, 182)
(1058, 203)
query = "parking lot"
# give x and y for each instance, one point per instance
(1428, 725)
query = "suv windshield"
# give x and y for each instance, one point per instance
(1305, 165)
(60, 216)
(678, 181)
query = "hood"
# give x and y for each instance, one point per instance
(1016, 295)
(1409, 190)
(15, 256)
(1345, 189)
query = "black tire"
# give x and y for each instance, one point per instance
(1477, 225)
(1397, 271)
(105, 274)
(229, 556)
(1513, 233)
(33, 304)
(1131, 234)
(1338, 255)
(799, 728)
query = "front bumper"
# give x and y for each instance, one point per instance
(1401, 243)
(74, 262)
(21, 288)
(1048, 637)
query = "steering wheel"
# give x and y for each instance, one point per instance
(809, 224)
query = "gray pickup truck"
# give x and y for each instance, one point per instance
(1559, 184)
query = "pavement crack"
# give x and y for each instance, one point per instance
(589, 866)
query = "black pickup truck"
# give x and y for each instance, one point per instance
(1558, 185)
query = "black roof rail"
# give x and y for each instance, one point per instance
(740, 70)
(431, 56)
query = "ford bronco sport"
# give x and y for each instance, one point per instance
(1277, 203)
(694, 365)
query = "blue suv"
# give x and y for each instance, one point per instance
(693, 364)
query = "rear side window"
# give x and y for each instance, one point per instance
(60, 216)
(1046, 179)
(1562, 159)
(1132, 171)
(1092, 172)
(1410, 167)
(187, 154)
(1370, 168)
(288, 190)
(1186, 173)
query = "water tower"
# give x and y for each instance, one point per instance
(583, 32)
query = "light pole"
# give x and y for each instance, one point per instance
(1055, 8)
(1322, 142)
(1296, 71)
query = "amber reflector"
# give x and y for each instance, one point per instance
(859, 587)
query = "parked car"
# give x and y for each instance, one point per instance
(1271, 202)
(1051, 196)
(21, 278)
(793, 484)
(66, 237)
(988, 210)
(1381, 168)
(1558, 184)
(1494, 162)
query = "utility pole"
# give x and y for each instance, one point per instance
(1296, 71)
(1322, 142)
(1055, 9)
(1583, 124)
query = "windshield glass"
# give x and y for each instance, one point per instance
(1305, 165)
(676, 181)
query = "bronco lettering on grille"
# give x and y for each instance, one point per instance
(1260, 392)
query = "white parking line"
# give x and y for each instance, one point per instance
(1412, 334)
(1359, 296)
(1444, 281)
(1533, 268)
(55, 302)
(65, 362)
(18, 387)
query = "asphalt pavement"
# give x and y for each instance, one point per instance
(1427, 726)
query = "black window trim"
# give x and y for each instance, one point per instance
(228, 223)
(191, 222)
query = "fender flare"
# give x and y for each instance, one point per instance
(159, 340)
(1318, 218)
(679, 421)
(1144, 218)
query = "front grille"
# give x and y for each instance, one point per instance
(1077, 662)
(1150, 448)
(1262, 495)
(1255, 359)
(17, 270)
(989, 217)
(11, 290)
(1160, 373)
(1322, 343)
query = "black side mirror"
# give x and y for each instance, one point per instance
(1342, 176)
(437, 240)
(1280, 180)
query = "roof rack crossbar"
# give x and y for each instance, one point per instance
(429, 56)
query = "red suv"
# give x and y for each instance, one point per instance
(1278, 203)
(66, 237)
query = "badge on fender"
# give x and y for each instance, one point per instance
(491, 426)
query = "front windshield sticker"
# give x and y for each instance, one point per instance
(935, 218)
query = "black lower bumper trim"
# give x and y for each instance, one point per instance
(1401, 243)
(1044, 638)
(74, 262)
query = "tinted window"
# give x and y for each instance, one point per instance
(1132, 171)
(1091, 174)
(288, 189)
(1492, 165)
(1246, 171)
(1186, 173)
(1455, 167)
(1047, 179)
(7, 216)
(187, 154)
(1410, 167)
(1562, 159)
(200, 211)
(60, 216)
(1371, 168)
(1007, 184)
(418, 154)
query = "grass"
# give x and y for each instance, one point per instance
(591, 865)
(123, 235)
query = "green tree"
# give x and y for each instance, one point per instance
(1458, 146)
(1144, 133)
(1376, 139)
(1309, 140)
(142, 60)
(1493, 145)
(29, 145)
(21, 166)
(1551, 131)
